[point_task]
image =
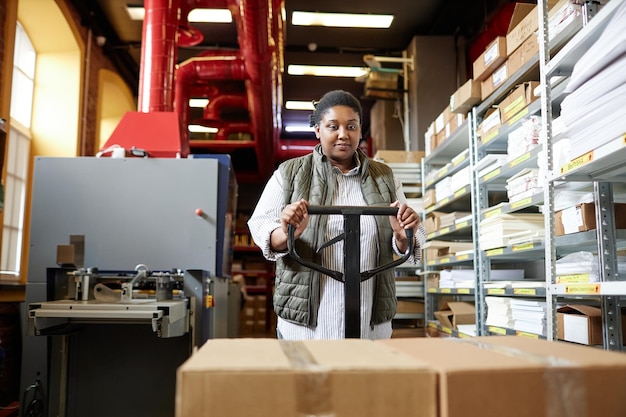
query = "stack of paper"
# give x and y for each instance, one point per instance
(499, 312)
(449, 219)
(529, 316)
(595, 108)
(490, 162)
(506, 229)
(523, 184)
(443, 189)
(524, 138)
(583, 267)
(457, 278)
(460, 179)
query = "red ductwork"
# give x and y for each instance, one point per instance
(213, 111)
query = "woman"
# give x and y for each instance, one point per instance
(309, 305)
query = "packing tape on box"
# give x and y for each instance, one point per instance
(313, 390)
(566, 394)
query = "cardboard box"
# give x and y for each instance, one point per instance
(270, 377)
(495, 54)
(493, 81)
(382, 84)
(414, 157)
(410, 306)
(580, 324)
(525, 53)
(524, 22)
(457, 312)
(465, 97)
(432, 222)
(490, 376)
(582, 217)
(522, 96)
(429, 198)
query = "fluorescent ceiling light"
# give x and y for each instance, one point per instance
(198, 102)
(196, 15)
(202, 129)
(326, 71)
(342, 20)
(299, 105)
(299, 128)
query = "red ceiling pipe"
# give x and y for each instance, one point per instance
(233, 127)
(213, 110)
(158, 55)
(214, 65)
(279, 31)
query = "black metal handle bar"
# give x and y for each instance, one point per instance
(352, 276)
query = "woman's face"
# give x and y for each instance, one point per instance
(339, 133)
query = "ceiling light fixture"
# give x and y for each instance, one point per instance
(136, 12)
(326, 71)
(377, 21)
(299, 105)
(198, 102)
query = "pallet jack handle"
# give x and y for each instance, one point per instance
(351, 276)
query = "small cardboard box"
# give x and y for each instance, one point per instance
(493, 81)
(582, 217)
(522, 96)
(523, 54)
(429, 198)
(465, 97)
(432, 222)
(270, 377)
(399, 156)
(410, 306)
(580, 323)
(457, 312)
(524, 22)
(487, 376)
(494, 55)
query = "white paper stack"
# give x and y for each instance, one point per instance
(524, 138)
(457, 278)
(499, 312)
(460, 179)
(490, 162)
(449, 219)
(523, 184)
(507, 229)
(529, 316)
(595, 111)
(443, 189)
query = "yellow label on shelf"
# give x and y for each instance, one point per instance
(464, 336)
(443, 202)
(445, 290)
(575, 278)
(442, 172)
(432, 325)
(520, 159)
(462, 224)
(431, 235)
(497, 330)
(456, 162)
(525, 246)
(492, 213)
(525, 291)
(582, 289)
(431, 262)
(432, 290)
(496, 291)
(444, 260)
(492, 174)
(464, 290)
(494, 252)
(462, 257)
(444, 230)
(429, 183)
(518, 116)
(490, 136)
(460, 192)
(446, 330)
(520, 203)
(526, 334)
(577, 163)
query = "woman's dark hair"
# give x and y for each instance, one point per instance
(335, 98)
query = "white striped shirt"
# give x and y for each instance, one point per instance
(330, 323)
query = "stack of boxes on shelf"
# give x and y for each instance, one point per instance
(253, 317)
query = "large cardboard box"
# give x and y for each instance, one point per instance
(580, 323)
(523, 54)
(456, 312)
(465, 97)
(494, 80)
(494, 55)
(270, 377)
(582, 217)
(512, 376)
(524, 22)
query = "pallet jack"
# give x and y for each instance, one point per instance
(351, 276)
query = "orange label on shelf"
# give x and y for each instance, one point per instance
(525, 246)
(521, 203)
(497, 330)
(582, 289)
(577, 163)
(520, 159)
(208, 301)
(524, 291)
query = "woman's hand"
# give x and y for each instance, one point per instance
(295, 214)
(406, 218)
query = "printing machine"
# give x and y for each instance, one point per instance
(128, 272)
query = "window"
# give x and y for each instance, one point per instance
(18, 152)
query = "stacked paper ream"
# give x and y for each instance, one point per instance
(499, 312)
(524, 138)
(583, 266)
(465, 278)
(497, 231)
(489, 163)
(443, 189)
(460, 179)
(449, 219)
(523, 184)
(529, 316)
(596, 107)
